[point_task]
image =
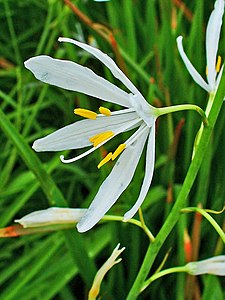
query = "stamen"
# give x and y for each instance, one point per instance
(117, 152)
(93, 138)
(105, 160)
(86, 113)
(218, 64)
(206, 71)
(105, 111)
(99, 138)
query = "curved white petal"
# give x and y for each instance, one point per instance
(212, 40)
(106, 60)
(52, 215)
(76, 135)
(74, 77)
(191, 69)
(113, 186)
(149, 169)
(125, 127)
(219, 76)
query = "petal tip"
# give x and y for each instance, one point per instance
(81, 228)
(179, 39)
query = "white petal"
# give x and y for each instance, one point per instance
(191, 69)
(106, 60)
(74, 77)
(125, 127)
(77, 135)
(215, 268)
(113, 186)
(212, 40)
(149, 169)
(219, 76)
(52, 215)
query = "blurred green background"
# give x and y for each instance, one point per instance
(140, 35)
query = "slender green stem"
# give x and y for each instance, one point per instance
(175, 108)
(174, 215)
(208, 217)
(145, 228)
(199, 134)
(131, 221)
(163, 273)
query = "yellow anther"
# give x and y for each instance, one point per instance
(206, 71)
(86, 113)
(105, 160)
(101, 137)
(104, 111)
(93, 138)
(218, 64)
(119, 149)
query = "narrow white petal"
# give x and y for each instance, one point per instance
(52, 215)
(149, 169)
(191, 69)
(77, 135)
(74, 77)
(219, 76)
(127, 126)
(113, 186)
(215, 268)
(106, 60)
(212, 40)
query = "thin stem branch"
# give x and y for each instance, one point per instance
(175, 108)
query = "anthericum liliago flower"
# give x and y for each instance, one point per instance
(214, 265)
(97, 129)
(212, 41)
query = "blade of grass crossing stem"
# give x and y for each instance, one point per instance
(204, 177)
(129, 22)
(12, 209)
(150, 23)
(167, 41)
(46, 30)
(195, 44)
(40, 262)
(173, 217)
(53, 280)
(23, 261)
(12, 32)
(51, 191)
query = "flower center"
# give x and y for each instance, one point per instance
(99, 138)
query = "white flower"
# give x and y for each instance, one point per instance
(111, 261)
(98, 129)
(212, 42)
(214, 265)
(52, 215)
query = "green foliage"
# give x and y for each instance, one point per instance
(63, 264)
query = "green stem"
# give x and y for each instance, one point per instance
(175, 108)
(145, 228)
(131, 221)
(163, 273)
(207, 110)
(208, 217)
(174, 215)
